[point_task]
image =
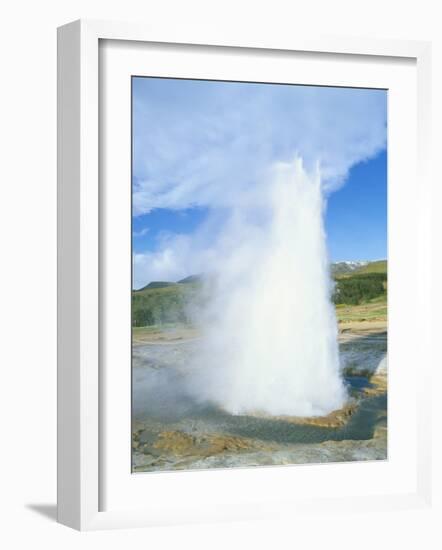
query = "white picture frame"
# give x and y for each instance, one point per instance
(79, 291)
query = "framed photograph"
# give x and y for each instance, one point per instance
(236, 254)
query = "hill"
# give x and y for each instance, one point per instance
(340, 268)
(379, 266)
(363, 284)
(190, 279)
(155, 284)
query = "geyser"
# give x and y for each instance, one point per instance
(270, 344)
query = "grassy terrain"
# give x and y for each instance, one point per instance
(372, 310)
(360, 296)
(166, 333)
(159, 305)
(153, 329)
(366, 310)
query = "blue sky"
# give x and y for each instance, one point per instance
(356, 216)
(202, 149)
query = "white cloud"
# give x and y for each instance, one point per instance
(211, 144)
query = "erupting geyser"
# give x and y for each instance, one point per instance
(271, 332)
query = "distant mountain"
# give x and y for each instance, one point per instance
(155, 284)
(190, 279)
(378, 266)
(339, 268)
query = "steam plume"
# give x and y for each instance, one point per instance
(270, 332)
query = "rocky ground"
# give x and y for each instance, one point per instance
(173, 432)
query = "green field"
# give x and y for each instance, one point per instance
(372, 310)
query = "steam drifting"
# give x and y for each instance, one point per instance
(270, 332)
